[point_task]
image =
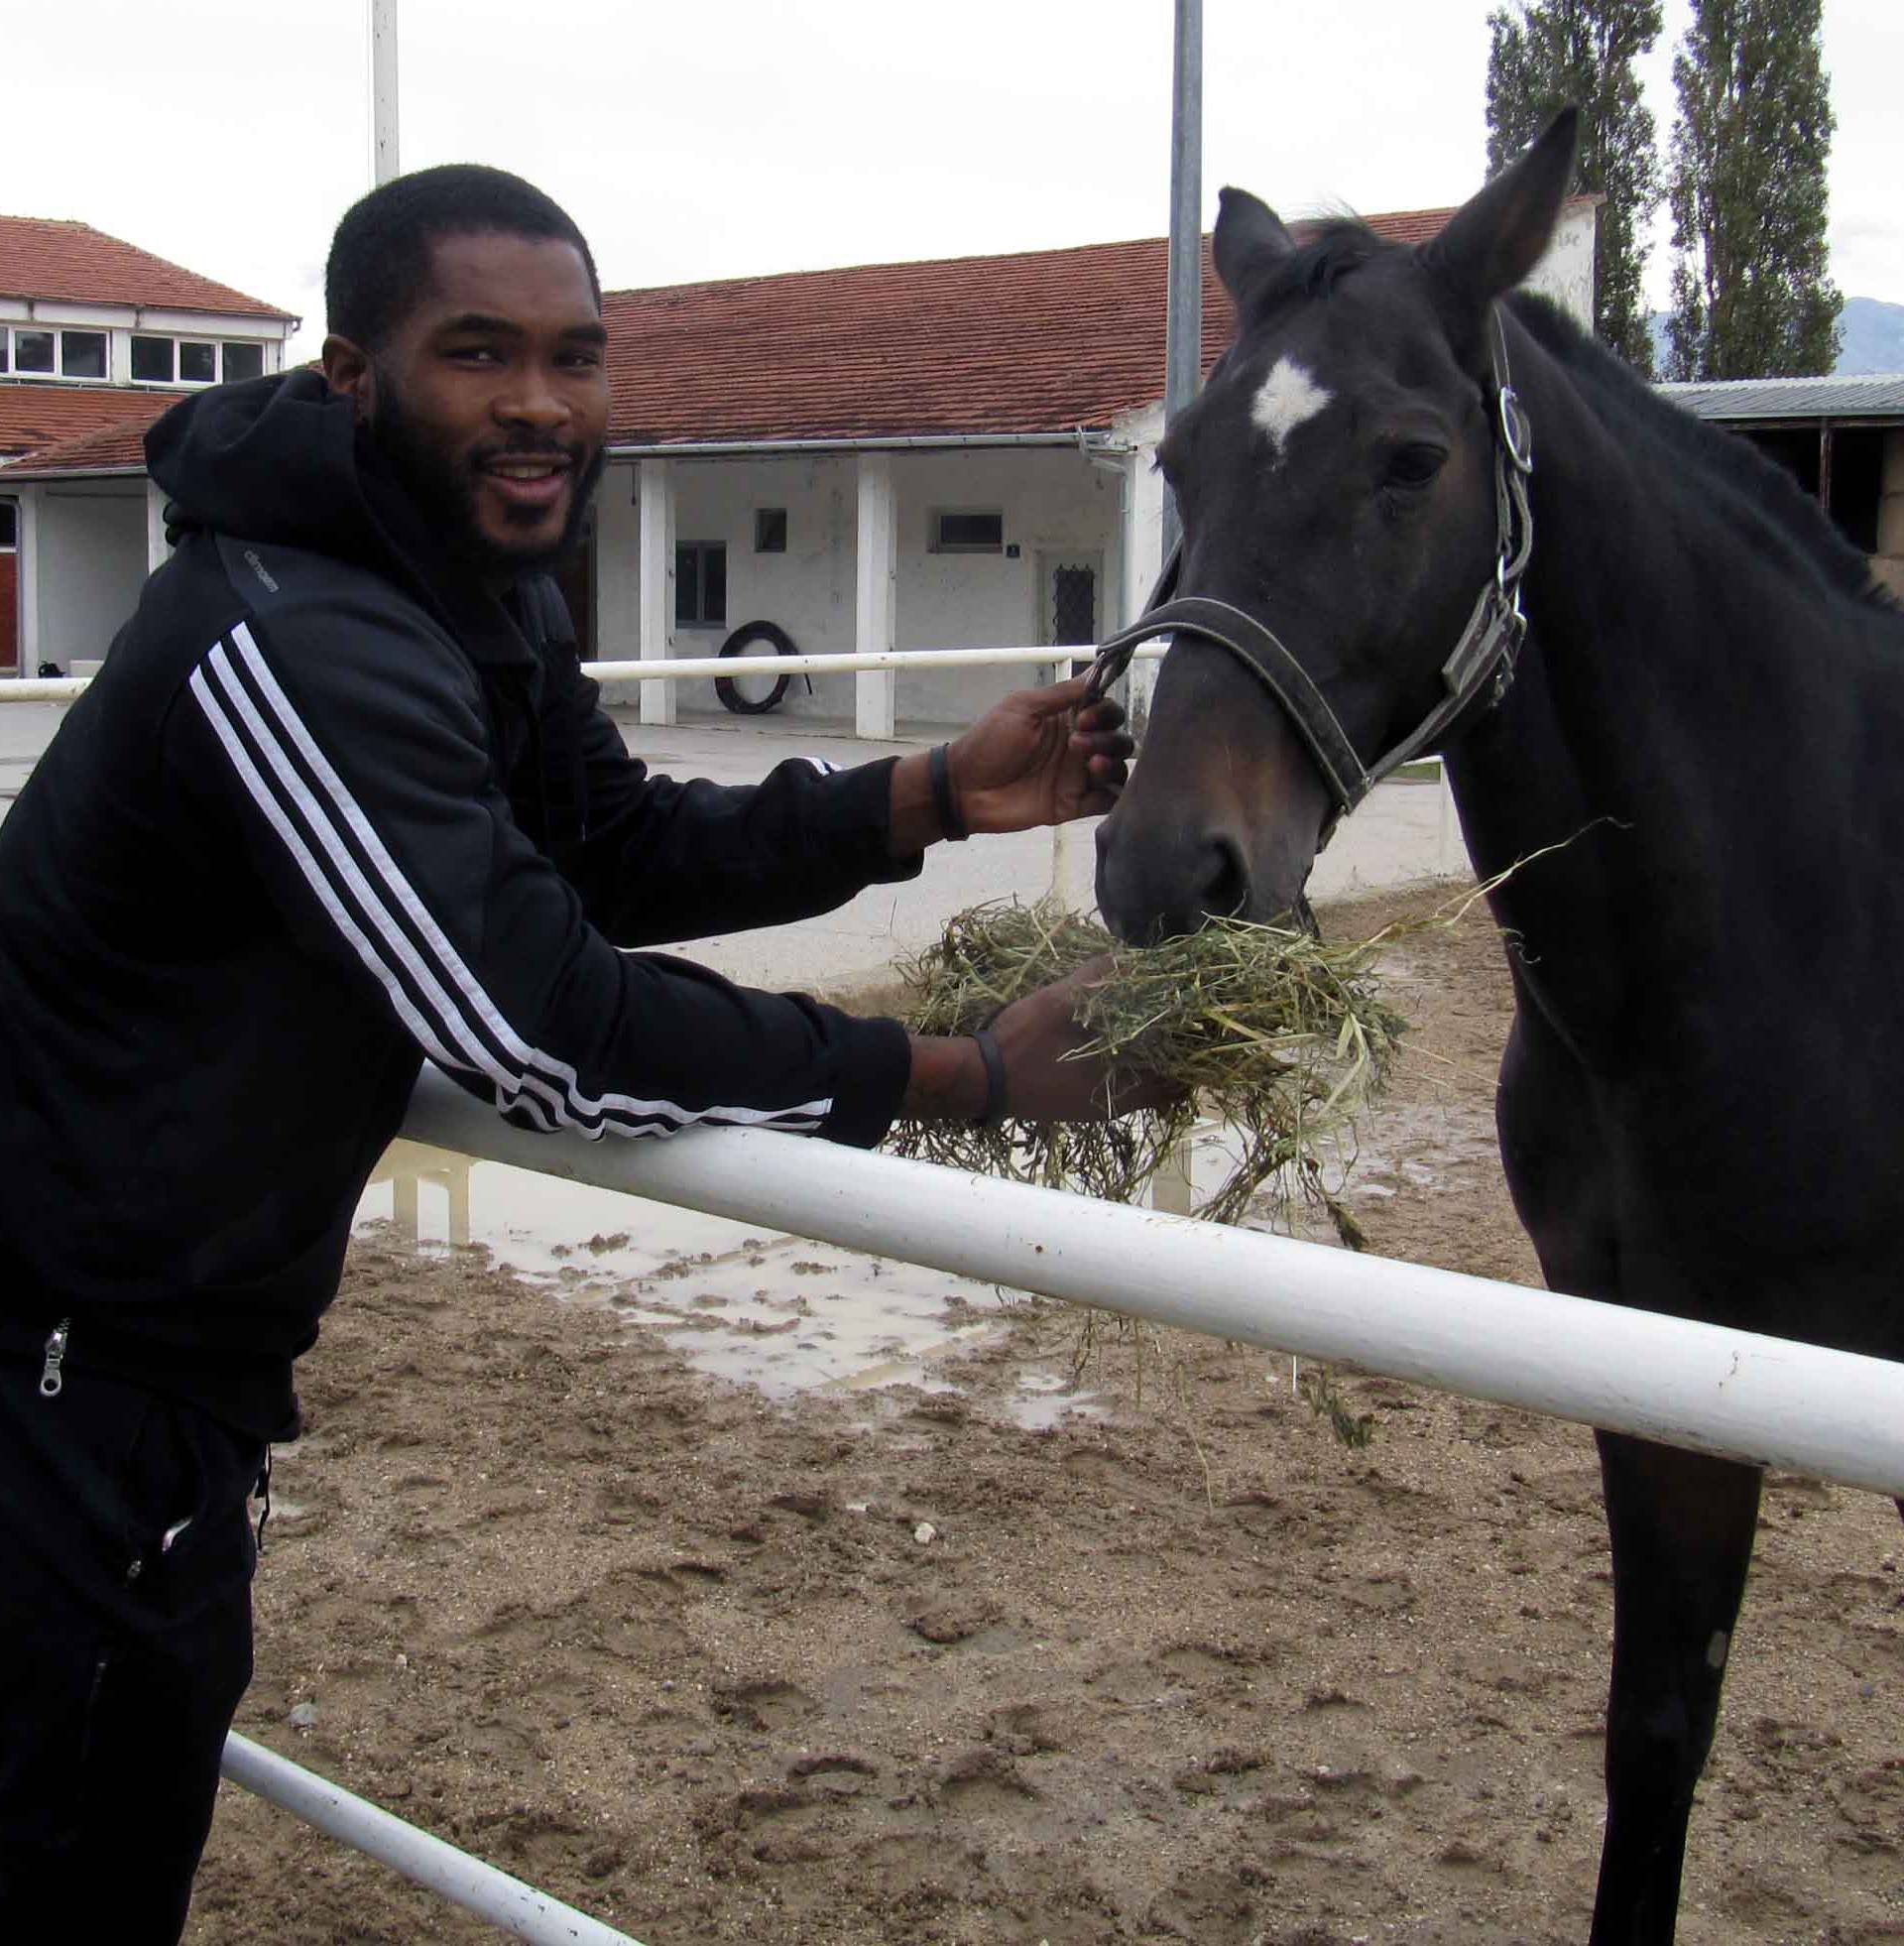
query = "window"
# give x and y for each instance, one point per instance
(154, 360)
(82, 355)
(9, 526)
(700, 584)
(770, 529)
(963, 530)
(44, 352)
(176, 361)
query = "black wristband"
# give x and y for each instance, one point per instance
(994, 1111)
(944, 804)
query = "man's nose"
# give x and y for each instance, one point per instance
(534, 399)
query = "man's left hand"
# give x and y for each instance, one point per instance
(1030, 761)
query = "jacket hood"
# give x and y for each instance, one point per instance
(279, 460)
(270, 459)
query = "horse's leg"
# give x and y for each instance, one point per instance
(1682, 1528)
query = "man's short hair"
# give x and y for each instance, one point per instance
(380, 257)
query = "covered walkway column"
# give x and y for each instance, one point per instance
(876, 576)
(1143, 550)
(26, 564)
(158, 549)
(656, 496)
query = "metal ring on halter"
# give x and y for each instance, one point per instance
(1516, 435)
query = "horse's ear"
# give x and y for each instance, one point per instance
(1498, 235)
(1250, 241)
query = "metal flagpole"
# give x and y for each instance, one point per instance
(1183, 328)
(383, 91)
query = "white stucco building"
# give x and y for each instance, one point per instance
(939, 456)
(96, 333)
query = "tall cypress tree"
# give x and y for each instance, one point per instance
(1543, 54)
(1752, 296)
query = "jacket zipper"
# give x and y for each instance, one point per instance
(50, 1382)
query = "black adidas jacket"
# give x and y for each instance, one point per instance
(324, 813)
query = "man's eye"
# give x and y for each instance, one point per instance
(472, 354)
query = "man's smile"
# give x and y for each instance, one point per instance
(528, 480)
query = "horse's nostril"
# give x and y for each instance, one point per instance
(1225, 891)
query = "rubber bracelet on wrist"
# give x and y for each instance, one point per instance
(944, 804)
(994, 1111)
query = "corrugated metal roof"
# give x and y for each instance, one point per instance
(1743, 401)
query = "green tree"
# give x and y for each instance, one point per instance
(1543, 54)
(1752, 296)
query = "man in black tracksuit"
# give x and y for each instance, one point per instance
(341, 800)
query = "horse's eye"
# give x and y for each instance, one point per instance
(1415, 465)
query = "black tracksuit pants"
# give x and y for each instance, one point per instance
(126, 1558)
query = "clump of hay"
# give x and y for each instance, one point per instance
(1274, 1032)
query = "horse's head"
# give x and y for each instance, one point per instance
(1336, 480)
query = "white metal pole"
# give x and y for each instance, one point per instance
(467, 1881)
(658, 675)
(383, 92)
(1833, 1414)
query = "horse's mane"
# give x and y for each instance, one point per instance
(1765, 485)
(1315, 265)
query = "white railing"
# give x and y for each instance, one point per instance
(425, 1860)
(1834, 1414)
(681, 668)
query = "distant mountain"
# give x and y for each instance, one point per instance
(1871, 337)
(1874, 336)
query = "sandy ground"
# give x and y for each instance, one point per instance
(889, 1665)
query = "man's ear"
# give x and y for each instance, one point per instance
(349, 372)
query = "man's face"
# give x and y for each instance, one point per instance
(489, 400)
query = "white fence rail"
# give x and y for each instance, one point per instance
(681, 668)
(1833, 1414)
(425, 1860)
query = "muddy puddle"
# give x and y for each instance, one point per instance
(779, 1313)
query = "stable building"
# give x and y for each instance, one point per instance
(96, 333)
(1840, 439)
(955, 454)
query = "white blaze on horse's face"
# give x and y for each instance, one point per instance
(1284, 401)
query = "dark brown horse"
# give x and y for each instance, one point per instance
(1701, 1102)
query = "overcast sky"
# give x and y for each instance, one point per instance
(732, 137)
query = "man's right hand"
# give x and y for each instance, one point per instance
(1037, 1037)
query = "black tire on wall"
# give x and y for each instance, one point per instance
(738, 642)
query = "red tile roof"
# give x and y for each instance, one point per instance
(1042, 341)
(110, 450)
(41, 257)
(32, 416)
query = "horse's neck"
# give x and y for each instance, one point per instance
(1670, 672)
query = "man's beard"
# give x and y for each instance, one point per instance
(444, 488)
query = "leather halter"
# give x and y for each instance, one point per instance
(1485, 655)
